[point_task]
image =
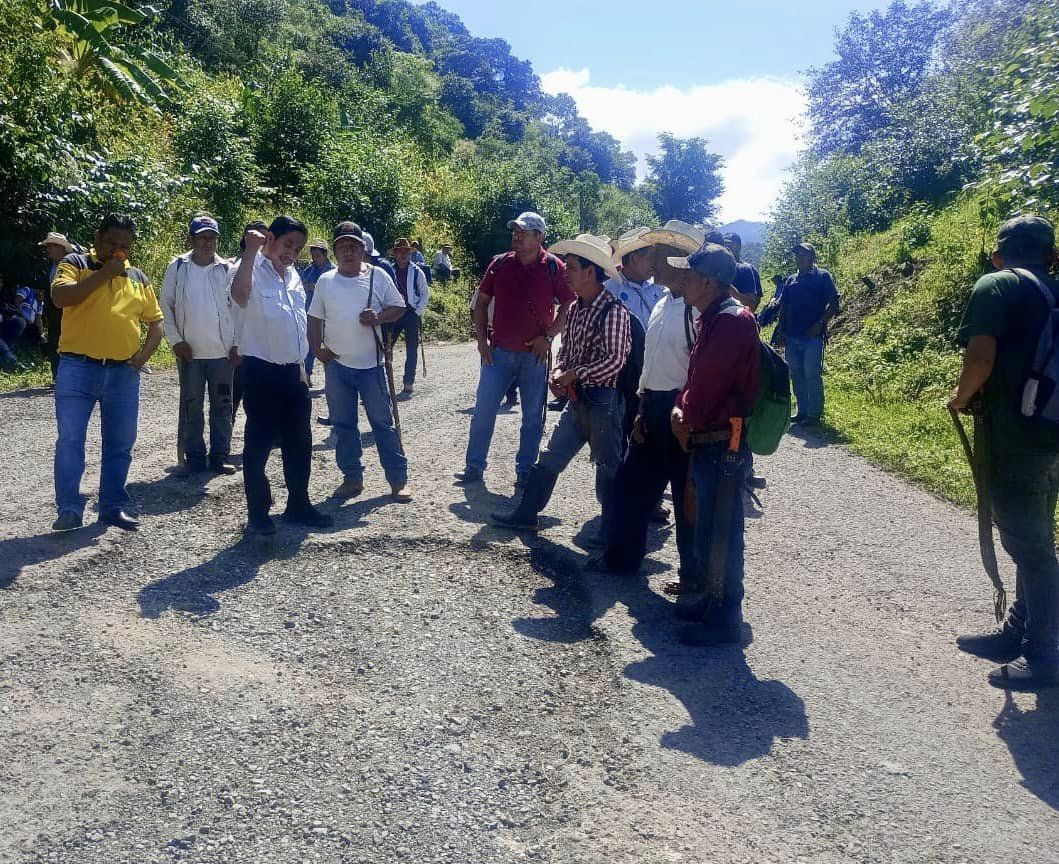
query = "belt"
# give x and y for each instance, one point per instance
(106, 361)
(699, 439)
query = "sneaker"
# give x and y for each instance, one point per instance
(1025, 675)
(468, 475)
(1000, 646)
(310, 517)
(67, 521)
(348, 489)
(262, 527)
(400, 493)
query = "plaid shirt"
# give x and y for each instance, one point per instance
(596, 353)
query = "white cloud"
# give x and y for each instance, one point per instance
(752, 123)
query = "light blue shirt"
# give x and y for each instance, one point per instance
(639, 297)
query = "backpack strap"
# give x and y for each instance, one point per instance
(689, 326)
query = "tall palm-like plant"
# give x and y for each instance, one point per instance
(94, 48)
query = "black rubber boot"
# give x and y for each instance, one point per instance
(539, 486)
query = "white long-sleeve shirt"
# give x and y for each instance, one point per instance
(272, 325)
(197, 308)
(667, 351)
(416, 290)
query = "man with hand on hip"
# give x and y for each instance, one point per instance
(348, 310)
(271, 325)
(104, 301)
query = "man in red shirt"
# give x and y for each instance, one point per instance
(722, 387)
(526, 284)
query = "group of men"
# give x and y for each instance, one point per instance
(241, 332)
(688, 296)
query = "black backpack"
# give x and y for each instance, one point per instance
(629, 378)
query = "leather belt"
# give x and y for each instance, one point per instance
(106, 361)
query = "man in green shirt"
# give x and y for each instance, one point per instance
(1000, 329)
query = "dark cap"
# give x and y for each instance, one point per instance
(714, 236)
(201, 224)
(319, 244)
(732, 237)
(348, 229)
(1026, 234)
(804, 247)
(711, 259)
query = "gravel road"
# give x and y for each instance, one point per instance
(417, 686)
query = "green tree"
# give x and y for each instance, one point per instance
(94, 48)
(683, 180)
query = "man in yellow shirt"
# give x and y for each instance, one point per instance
(104, 301)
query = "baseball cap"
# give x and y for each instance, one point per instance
(804, 247)
(318, 244)
(348, 229)
(529, 221)
(1026, 232)
(711, 259)
(201, 224)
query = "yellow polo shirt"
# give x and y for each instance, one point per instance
(106, 324)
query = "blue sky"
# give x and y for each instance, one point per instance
(729, 72)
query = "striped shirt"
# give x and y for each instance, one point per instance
(596, 351)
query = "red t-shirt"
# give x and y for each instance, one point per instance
(524, 298)
(724, 369)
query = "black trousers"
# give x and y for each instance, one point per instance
(277, 402)
(642, 478)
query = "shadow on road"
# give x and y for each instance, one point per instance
(1030, 736)
(169, 494)
(21, 552)
(734, 716)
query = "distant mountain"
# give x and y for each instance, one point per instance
(750, 232)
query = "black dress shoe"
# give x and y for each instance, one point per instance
(119, 519)
(219, 466)
(310, 517)
(1000, 646)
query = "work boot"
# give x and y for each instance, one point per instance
(68, 521)
(308, 516)
(407, 390)
(1002, 645)
(1026, 675)
(400, 494)
(539, 488)
(220, 466)
(350, 488)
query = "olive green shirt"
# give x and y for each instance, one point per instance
(1013, 311)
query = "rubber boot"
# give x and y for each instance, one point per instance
(539, 486)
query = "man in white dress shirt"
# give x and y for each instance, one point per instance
(271, 335)
(655, 458)
(345, 319)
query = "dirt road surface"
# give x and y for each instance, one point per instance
(417, 686)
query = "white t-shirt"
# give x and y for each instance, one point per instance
(201, 324)
(338, 302)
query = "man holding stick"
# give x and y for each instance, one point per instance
(349, 308)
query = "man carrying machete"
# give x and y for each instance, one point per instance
(708, 420)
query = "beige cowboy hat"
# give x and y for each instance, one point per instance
(400, 243)
(57, 239)
(591, 248)
(631, 241)
(679, 234)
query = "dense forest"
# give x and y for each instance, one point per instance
(380, 110)
(932, 125)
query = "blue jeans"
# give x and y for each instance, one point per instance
(79, 386)
(593, 419)
(343, 387)
(409, 325)
(708, 464)
(531, 376)
(805, 357)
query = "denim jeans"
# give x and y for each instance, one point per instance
(10, 331)
(642, 478)
(708, 465)
(531, 375)
(594, 419)
(197, 378)
(344, 387)
(805, 357)
(1025, 488)
(409, 325)
(79, 386)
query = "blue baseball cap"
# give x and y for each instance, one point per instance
(201, 224)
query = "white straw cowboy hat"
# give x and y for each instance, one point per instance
(681, 235)
(591, 248)
(631, 241)
(57, 239)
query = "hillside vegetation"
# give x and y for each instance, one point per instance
(931, 127)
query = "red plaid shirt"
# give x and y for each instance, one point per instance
(593, 352)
